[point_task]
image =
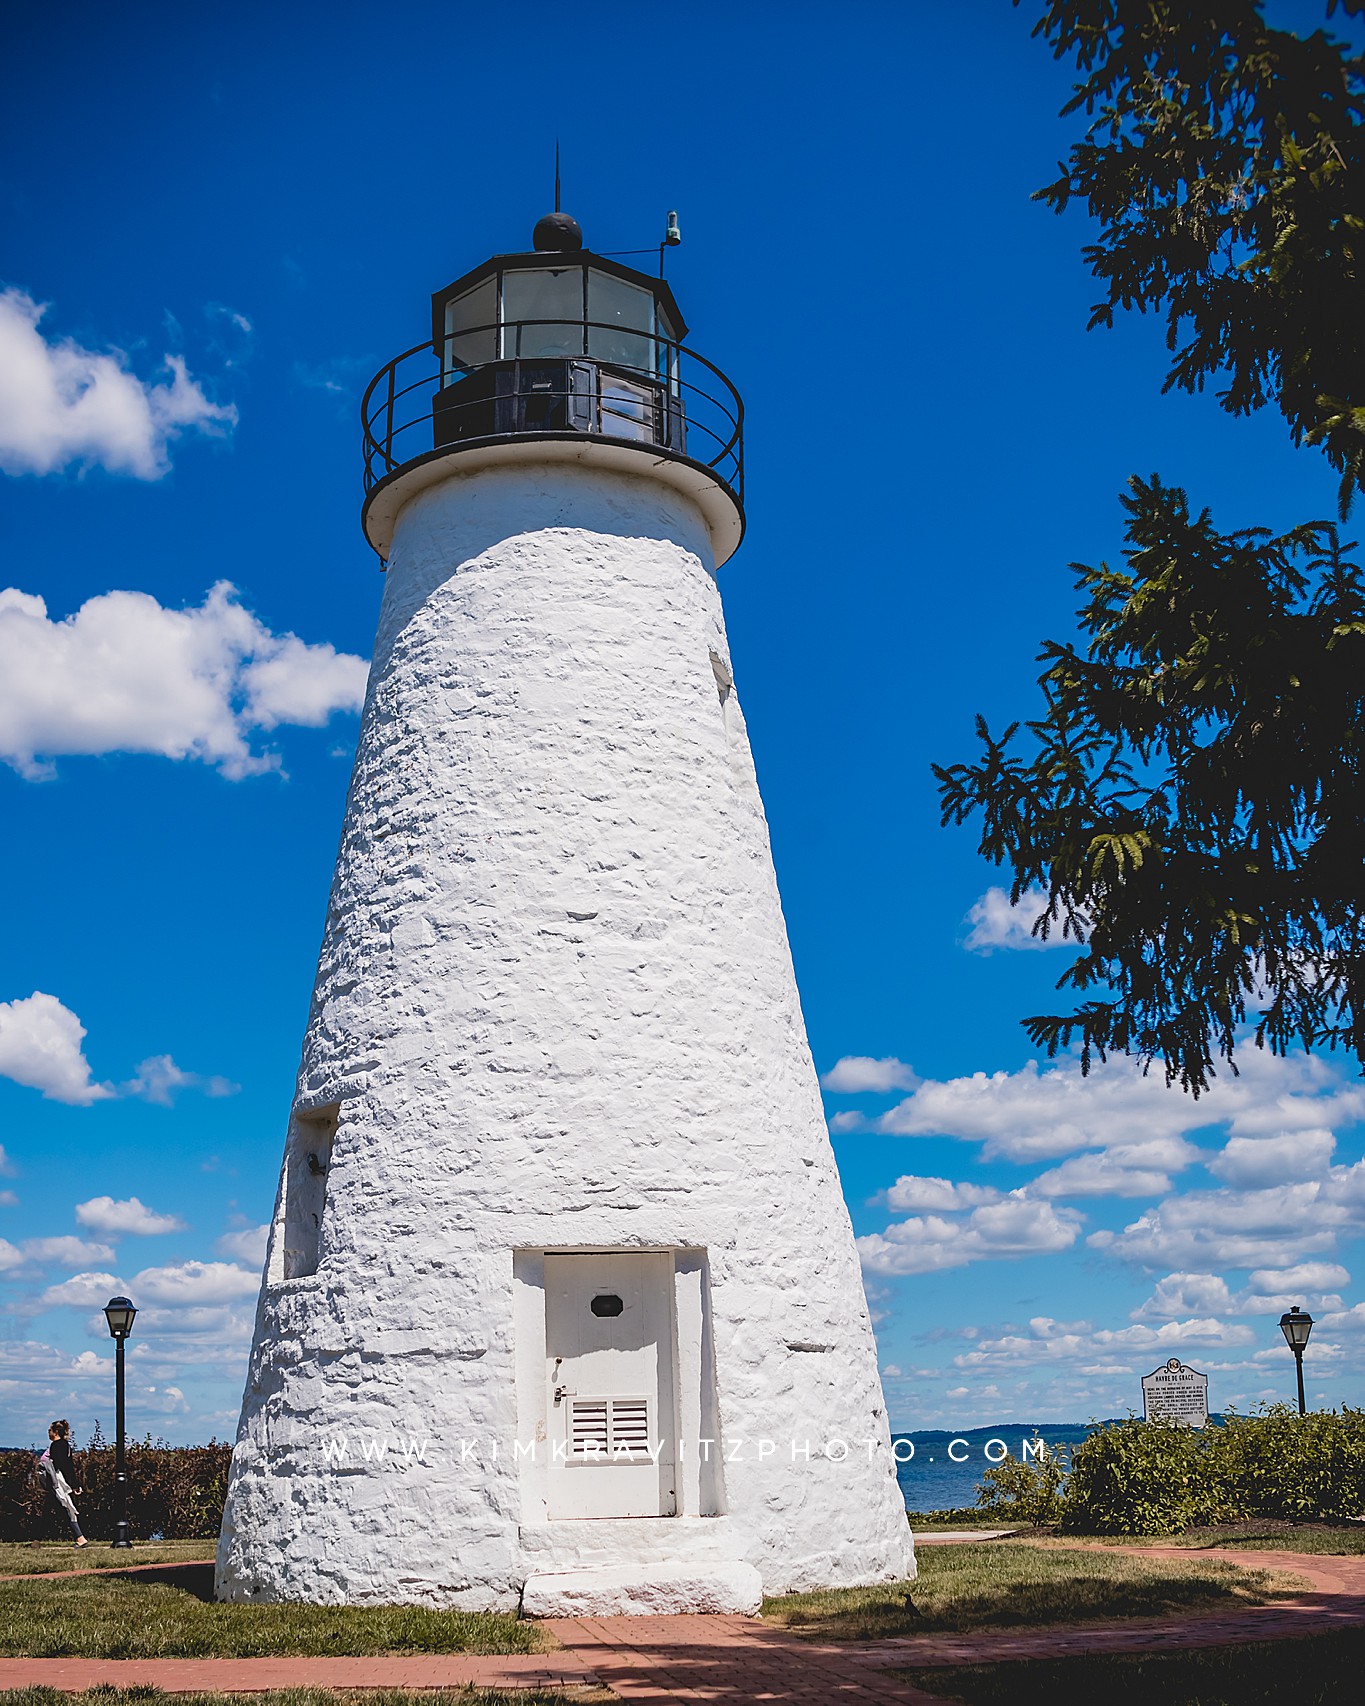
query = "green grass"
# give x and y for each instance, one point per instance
(1011, 1584)
(25, 1558)
(924, 1526)
(966, 1516)
(1317, 1670)
(1313, 1538)
(146, 1617)
(105, 1695)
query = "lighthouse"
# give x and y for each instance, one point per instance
(561, 1307)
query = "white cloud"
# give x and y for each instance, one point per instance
(104, 1214)
(8, 1199)
(1040, 1114)
(235, 340)
(40, 1047)
(1305, 1277)
(1098, 1176)
(996, 923)
(169, 1400)
(1279, 1160)
(847, 1121)
(82, 1291)
(61, 404)
(11, 1256)
(912, 1193)
(1014, 1226)
(1271, 1291)
(90, 1362)
(66, 1251)
(1206, 1330)
(27, 1362)
(1345, 1320)
(206, 1331)
(294, 682)
(1243, 1229)
(247, 1245)
(1186, 1294)
(1140, 1169)
(1049, 1341)
(196, 1283)
(125, 674)
(158, 1079)
(231, 315)
(1251, 1303)
(857, 1073)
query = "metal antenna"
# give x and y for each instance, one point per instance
(556, 174)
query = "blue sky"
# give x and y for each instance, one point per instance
(229, 219)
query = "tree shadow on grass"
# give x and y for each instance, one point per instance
(1312, 1670)
(909, 1609)
(195, 1579)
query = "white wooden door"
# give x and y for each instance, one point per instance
(609, 1369)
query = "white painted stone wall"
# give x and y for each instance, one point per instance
(554, 1007)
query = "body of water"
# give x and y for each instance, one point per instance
(946, 1468)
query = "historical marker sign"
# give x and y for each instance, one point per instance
(1176, 1393)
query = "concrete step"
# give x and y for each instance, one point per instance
(628, 1541)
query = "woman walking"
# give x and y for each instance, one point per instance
(59, 1466)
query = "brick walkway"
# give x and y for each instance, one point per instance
(735, 1660)
(739, 1660)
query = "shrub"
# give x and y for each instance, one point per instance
(1136, 1477)
(1280, 1464)
(174, 1492)
(1023, 1491)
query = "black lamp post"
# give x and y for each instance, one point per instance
(1296, 1326)
(120, 1314)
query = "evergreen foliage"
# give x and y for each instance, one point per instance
(1225, 164)
(1194, 795)
(1191, 795)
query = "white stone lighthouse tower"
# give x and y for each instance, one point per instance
(561, 1306)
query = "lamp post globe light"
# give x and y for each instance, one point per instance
(120, 1313)
(1296, 1326)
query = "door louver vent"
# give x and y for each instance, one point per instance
(609, 1430)
(589, 1427)
(630, 1424)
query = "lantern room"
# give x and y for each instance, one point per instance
(557, 354)
(558, 340)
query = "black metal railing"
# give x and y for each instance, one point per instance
(681, 405)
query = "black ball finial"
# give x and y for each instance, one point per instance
(557, 231)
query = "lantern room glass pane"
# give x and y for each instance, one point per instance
(466, 347)
(629, 410)
(628, 311)
(548, 295)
